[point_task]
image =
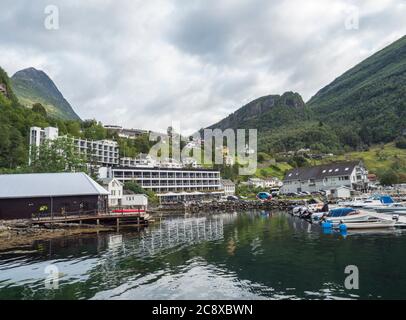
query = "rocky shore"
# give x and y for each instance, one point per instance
(16, 233)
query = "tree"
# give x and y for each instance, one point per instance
(60, 155)
(401, 143)
(137, 189)
(388, 177)
(39, 108)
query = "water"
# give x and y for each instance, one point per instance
(227, 256)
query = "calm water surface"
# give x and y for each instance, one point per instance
(229, 256)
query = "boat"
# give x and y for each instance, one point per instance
(375, 201)
(398, 208)
(377, 224)
(342, 215)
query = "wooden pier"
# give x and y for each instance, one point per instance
(133, 219)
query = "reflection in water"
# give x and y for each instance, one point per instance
(229, 256)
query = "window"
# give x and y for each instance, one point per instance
(331, 170)
(346, 169)
(324, 171)
(336, 170)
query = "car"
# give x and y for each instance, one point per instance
(264, 196)
(232, 198)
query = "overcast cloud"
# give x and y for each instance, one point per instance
(144, 64)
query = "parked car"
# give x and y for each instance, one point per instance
(232, 198)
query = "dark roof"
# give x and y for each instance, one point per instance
(322, 171)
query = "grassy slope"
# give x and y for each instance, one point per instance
(378, 158)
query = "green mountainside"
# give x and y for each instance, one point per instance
(34, 86)
(364, 106)
(369, 98)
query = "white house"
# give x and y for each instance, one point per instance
(331, 176)
(341, 193)
(131, 200)
(228, 187)
(264, 183)
(115, 190)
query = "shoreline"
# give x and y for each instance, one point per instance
(14, 234)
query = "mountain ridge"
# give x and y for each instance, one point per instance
(35, 86)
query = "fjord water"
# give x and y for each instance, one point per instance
(255, 255)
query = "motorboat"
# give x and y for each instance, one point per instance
(377, 224)
(342, 215)
(397, 208)
(371, 203)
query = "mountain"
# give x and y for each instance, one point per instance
(369, 98)
(364, 106)
(266, 113)
(34, 86)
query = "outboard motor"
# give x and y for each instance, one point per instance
(395, 217)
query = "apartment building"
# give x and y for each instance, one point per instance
(171, 184)
(99, 152)
(352, 175)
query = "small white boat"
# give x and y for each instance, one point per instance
(371, 224)
(342, 214)
(397, 208)
(376, 201)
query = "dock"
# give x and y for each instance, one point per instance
(133, 219)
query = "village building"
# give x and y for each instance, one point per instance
(98, 152)
(171, 184)
(132, 200)
(115, 190)
(265, 183)
(326, 177)
(228, 187)
(3, 89)
(342, 192)
(29, 196)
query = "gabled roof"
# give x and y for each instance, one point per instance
(106, 181)
(322, 171)
(38, 185)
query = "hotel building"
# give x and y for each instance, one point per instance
(99, 152)
(171, 184)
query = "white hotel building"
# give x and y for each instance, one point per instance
(171, 184)
(99, 152)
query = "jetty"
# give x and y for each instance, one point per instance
(123, 218)
(229, 206)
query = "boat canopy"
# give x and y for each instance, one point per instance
(340, 212)
(387, 199)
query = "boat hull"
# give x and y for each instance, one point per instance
(371, 225)
(355, 218)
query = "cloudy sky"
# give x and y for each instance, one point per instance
(144, 64)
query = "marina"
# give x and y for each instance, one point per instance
(244, 255)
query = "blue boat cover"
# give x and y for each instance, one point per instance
(386, 199)
(340, 212)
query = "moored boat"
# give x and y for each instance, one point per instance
(343, 214)
(378, 224)
(398, 208)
